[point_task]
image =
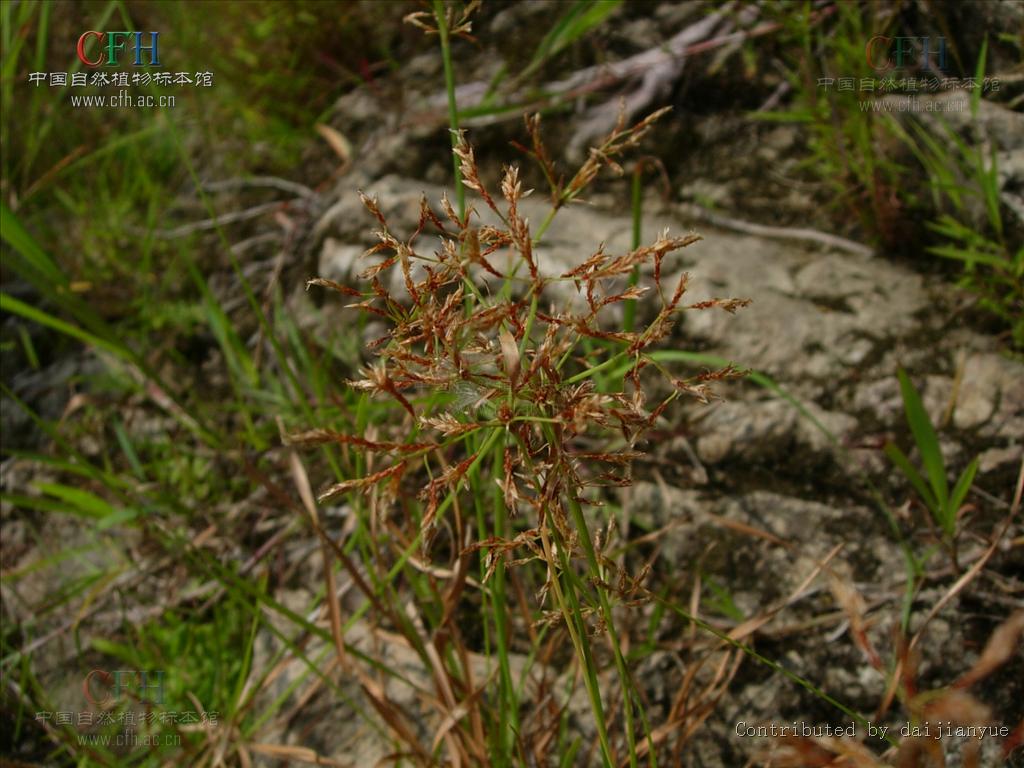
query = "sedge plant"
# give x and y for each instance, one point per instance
(516, 408)
(493, 380)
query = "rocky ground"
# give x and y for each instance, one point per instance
(756, 490)
(830, 328)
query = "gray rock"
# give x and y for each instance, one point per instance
(881, 399)
(707, 193)
(991, 390)
(936, 392)
(781, 137)
(339, 261)
(997, 458)
(653, 506)
(811, 317)
(754, 430)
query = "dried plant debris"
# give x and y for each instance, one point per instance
(939, 723)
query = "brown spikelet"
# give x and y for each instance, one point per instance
(361, 483)
(450, 479)
(342, 289)
(729, 305)
(509, 354)
(325, 436)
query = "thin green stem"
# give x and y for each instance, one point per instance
(453, 110)
(569, 607)
(610, 362)
(609, 621)
(584, 650)
(508, 702)
(544, 225)
(629, 311)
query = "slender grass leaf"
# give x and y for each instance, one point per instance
(926, 439)
(969, 256)
(129, 450)
(82, 502)
(979, 74)
(963, 485)
(569, 756)
(15, 235)
(115, 650)
(581, 17)
(40, 503)
(117, 517)
(28, 347)
(897, 457)
(18, 307)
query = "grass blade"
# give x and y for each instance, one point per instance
(926, 439)
(81, 502)
(18, 307)
(19, 239)
(897, 457)
(963, 485)
(577, 21)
